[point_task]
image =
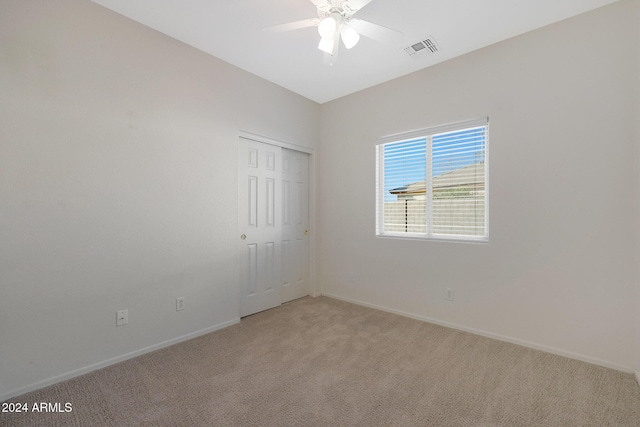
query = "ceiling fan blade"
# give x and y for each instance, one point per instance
(376, 32)
(290, 26)
(357, 4)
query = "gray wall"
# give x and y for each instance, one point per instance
(118, 185)
(559, 272)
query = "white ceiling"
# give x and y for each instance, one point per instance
(233, 30)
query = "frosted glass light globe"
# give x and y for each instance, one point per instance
(349, 36)
(327, 27)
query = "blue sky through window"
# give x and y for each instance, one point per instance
(404, 163)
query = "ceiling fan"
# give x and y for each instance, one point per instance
(335, 22)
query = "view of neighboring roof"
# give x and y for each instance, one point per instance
(468, 176)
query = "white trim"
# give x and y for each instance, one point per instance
(379, 190)
(421, 133)
(429, 185)
(423, 237)
(535, 346)
(313, 286)
(277, 143)
(487, 180)
(114, 360)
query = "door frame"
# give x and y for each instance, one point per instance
(313, 290)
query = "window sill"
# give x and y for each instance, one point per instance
(422, 237)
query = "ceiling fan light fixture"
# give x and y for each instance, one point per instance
(327, 27)
(350, 37)
(326, 45)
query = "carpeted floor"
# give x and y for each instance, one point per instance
(323, 362)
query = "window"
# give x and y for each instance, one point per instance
(432, 183)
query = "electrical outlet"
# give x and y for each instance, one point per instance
(122, 317)
(449, 296)
(180, 304)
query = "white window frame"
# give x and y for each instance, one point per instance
(427, 133)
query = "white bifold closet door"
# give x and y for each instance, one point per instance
(295, 225)
(273, 225)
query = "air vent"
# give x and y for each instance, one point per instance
(422, 48)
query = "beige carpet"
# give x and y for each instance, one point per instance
(319, 361)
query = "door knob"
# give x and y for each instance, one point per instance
(306, 232)
(244, 236)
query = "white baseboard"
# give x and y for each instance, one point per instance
(498, 337)
(113, 360)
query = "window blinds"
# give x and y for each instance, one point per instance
(434, 184)
(404, 186)
(458, 182)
